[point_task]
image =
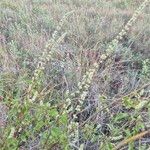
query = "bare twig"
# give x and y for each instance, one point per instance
(132, 139)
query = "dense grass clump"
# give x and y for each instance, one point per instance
(74, 75)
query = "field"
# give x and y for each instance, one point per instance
(74, 75)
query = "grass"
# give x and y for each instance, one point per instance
(74, 75)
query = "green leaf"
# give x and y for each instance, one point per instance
(64, 119)
(56, 132)
(128, 103)
(53, 112)
(120, 116)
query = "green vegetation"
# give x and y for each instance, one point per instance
(74, 75)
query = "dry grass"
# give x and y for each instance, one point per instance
(108, 113)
